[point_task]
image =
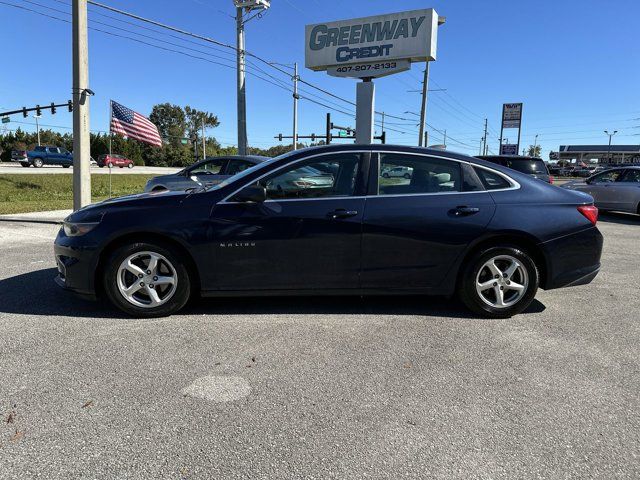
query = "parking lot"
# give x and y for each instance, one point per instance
(319, 388)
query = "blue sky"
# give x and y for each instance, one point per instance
(575, 64)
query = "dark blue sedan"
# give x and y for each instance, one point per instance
(453, 225)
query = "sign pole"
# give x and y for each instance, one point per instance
(365, 111)
(423, 109)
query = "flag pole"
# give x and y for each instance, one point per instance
(110, 136)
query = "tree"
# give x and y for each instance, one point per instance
(171, 122)
(534, 151)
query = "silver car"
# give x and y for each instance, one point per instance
(206, 172)
(616, 189)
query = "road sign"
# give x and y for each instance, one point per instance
(409, 36)
(6, 119)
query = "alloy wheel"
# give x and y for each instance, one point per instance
(502, 281)
(147, 279)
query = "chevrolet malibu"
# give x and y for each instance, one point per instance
(457, 225)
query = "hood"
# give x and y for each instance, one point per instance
(150, 199)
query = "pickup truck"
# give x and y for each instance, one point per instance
(49, 156)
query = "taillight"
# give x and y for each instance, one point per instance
(590, 212)
(550, 179)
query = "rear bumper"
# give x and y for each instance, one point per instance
(573, 259)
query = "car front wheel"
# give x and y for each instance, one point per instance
(499, 282)
(130, 165)
(147, 280)
(37, 162)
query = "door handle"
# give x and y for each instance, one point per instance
(462, 211)
(342, 213)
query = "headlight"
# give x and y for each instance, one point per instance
(78, 229)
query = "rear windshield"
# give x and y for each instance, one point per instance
(528, 166)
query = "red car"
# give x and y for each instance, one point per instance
(114, 161)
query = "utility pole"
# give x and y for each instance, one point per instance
(484, 139)
(423, 110)
(204, 143)
(242, 7)
(295, 106)
(242, 98)
(609, 149)
(445, 137)
(426, 138)
(81, 92)
(37, 117)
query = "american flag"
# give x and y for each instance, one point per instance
(128, 123)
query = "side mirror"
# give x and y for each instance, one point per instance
(252, 193)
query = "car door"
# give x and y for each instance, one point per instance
(601, 188)
(626, 191)
(53, 156)
(305, 236)
(414, 229)
(232, 167)
(65, 157)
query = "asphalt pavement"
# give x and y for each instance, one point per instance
(319, 387)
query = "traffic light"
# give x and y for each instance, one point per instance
(38, 110)
(280, 137)
(24, 112)
(53, 108)
(70, 105)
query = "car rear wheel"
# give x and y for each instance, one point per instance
(499, 282)
(147, 280)
(130, 165)
(110, 165)
(37, 162)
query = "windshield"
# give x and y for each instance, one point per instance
(529, 166)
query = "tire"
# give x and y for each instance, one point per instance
(487, 302)
(407, 176)
(110, 165)
(385, 175)
(37, 162)
(172, 297)
(100, 166)
(130, 165)
(24, 164)
(66, 166)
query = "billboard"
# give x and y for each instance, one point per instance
(511, 115)
(378, 40)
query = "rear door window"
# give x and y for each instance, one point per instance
(631, 176)
(402, 174)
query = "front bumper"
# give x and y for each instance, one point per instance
(573, 259)
(76, 266)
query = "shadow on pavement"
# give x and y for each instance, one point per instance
(619, 218)
(35, 293)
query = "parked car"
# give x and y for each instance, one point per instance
(530, 165)
(111, 160)
(205, 172)
(21, 157)
(461, 225)
(615, 189)
(47, 155)
(402, 172)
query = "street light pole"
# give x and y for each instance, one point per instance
(609, 149)
(37, 127)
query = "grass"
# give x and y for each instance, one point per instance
(37, 193)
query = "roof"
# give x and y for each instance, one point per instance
(600, 148)
(511, 157)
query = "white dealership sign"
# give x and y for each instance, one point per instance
(376, 42)
(511, 115)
